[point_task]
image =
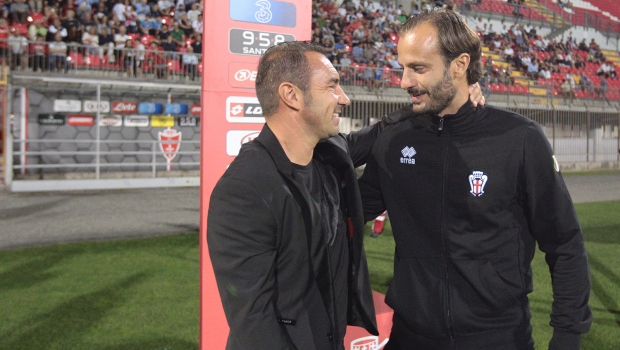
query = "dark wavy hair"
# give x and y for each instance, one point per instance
(455, 38)
(286, 62)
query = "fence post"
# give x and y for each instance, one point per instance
(154, 160)
(554, 115)
(587, 134)
(8, 142)
(98, 144)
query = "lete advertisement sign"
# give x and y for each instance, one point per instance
(239, 31)
(124, 107)
(93, 106)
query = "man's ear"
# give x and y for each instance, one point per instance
(291, 96)
(460, 65)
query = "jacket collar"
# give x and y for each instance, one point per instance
(330, 151)
(462, 119)
(269, 140)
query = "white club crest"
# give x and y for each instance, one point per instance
(477, 180)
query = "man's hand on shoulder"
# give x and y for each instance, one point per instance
(475, 95)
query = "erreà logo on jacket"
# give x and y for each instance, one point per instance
(408, 153)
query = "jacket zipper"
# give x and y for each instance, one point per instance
(444, 239)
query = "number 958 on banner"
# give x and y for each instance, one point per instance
(254, 42)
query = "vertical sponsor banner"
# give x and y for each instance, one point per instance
(238, 32)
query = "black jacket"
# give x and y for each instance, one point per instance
(467, 205)
(259, 223)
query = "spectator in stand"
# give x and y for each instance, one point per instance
(197, 24)
(583, 46)
(106, 40)
(533, 68)
(56, 28)
(604, 69)
(142, 9)
(190, 62)
(602, 90)
(156, 12)
(73, 36)
(197, 44)
(119, 10)
(120, 39)
(357, 52)
(156, 59)
(192, 15)
(165, 6)
(58, 53)
(579, 64)
(163, 34)
(359, 34)
(19, 46)
(584, 83)
(147, 25)
(87, 21)
(70, 20)
(39, 58)
(185, 25)
(101, 12)
(544, 72)
(19, 11)
(130, 21)
(36, 29)
(129, 59)
(345, 60)
(169, 46)
(593, 45)
(91, 39)
(178, 35)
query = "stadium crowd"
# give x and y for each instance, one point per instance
(572, 69)
(46, 31)
(363, 37)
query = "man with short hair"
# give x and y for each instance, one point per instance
(470, 192)
(285, 228)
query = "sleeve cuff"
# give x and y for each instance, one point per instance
(564, 340)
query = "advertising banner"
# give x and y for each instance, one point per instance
(162, 121)
(195, 109)
(92, 106)
(176, 108)
(137, 120)
(110, 120)
(80, 120)
(124, 107)
(150, 108)
(67, 106)
(51, 119)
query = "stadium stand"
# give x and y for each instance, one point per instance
(151, 38)
(362, 41)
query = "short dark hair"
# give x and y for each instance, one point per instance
(286, 62)
(455, 38)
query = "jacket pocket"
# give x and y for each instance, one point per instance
(482, 298)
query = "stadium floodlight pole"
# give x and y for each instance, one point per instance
(98, 144)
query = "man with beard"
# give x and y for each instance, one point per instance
(470, 191)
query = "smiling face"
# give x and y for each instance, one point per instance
(426, 77)
(324, 99)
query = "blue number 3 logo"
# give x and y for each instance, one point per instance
(263, 15)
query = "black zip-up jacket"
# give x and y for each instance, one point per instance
(469, 195)
(260, 227)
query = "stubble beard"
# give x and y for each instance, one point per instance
(440, 95)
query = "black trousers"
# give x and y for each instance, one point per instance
(403, 338)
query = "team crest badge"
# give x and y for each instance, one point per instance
(477, 181)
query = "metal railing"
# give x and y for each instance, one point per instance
(147, 158)
(96, 61)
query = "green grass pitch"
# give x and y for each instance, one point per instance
(143, 293)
